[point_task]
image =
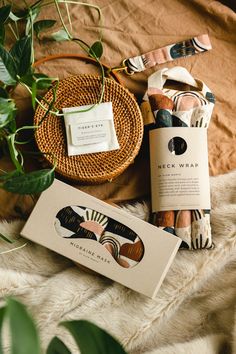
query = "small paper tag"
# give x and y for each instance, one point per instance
(89, 133)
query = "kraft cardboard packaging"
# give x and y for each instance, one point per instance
(179, 181)
(102, 238)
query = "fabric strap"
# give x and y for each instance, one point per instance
(171, 52)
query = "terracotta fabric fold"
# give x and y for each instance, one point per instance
(189, 106)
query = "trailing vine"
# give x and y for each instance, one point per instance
(17, 68)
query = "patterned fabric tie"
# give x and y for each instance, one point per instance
(189, 107)
(171, 52)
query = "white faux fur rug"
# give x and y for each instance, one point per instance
(194, 309)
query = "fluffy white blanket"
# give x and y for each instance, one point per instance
(194, 312)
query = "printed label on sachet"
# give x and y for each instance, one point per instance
(90, 132)
(179, 169)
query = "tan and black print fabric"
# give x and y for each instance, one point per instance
(122, 243)
(178, 100)
(171, 52)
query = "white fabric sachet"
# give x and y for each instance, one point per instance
(91, 131)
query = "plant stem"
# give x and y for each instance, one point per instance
(77, 3)
(61, 19)
(40, 104)
(88, 49)
(36, 4)
(23, 142)
(55, 112)
(13, 32)
(88, 5)
(32, 36)
(3, 171)
(27, 127)
(82, 44)
(68, 15)
(14, 249)
(14, 153)
(43, 3)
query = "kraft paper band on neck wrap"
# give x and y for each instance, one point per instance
(171, 52)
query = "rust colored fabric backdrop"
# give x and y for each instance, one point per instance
(135, 27)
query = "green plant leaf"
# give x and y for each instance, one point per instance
(30, 78)
(21, 53)
(30, 183)
(2, 315)
(42, 25)
(12, 125)
(8, 69)
(44, 83)
(4, 13)
(92, 339)
(37, 82)
(24, 338)
(7, 111)
(14, 153)
(8, 175)
(5, 238)
(34, 14)
(60, 36)
(56, 346)
(33, 94)
(40, 82)
(18, 16)
(2, 34)
(96, 50)
(3, 93)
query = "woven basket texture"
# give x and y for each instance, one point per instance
(97, 167)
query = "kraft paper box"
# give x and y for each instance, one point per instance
(101, 237)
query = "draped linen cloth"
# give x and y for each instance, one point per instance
(181, 102)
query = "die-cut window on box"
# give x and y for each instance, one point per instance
(77, 222)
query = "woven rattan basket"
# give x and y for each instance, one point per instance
(96, 167)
